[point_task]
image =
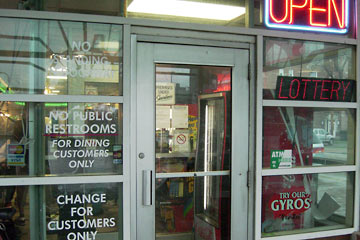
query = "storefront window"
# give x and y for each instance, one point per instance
(322, 136)
(316, 138)
(60, 58)
(306, 203)
(61, 138)
(323, 71)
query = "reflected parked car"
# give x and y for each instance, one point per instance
(317, 146)
(324, 136)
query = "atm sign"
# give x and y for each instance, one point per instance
(330, 16)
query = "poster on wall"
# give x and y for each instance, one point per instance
(181, 141)
(165, 93)
(180, 116)
(162, 116)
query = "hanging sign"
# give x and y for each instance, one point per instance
(16, 155)
(330, 16)
(314, 89)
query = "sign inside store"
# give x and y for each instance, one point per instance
(330, 16)
(15, 155)
(281, 159)
(314, 89)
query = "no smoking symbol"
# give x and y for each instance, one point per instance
(181, 139)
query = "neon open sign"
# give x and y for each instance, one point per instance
(310, 15)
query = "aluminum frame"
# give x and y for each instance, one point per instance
(137, 26)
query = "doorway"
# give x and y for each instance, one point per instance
(192, 142)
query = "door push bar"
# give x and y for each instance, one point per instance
(147, 187)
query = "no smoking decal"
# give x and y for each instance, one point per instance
(181, 139)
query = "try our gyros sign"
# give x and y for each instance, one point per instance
(290, 203)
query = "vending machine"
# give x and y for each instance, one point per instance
(212, 193)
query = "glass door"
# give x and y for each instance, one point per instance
(192, 142)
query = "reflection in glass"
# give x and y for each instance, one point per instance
(193, 207)
(306, 203)
(15, 212)
(214, 135)
(15, 139)
(182, 93)
(305, 59)
(86, 210)
(324, 137)
(60, 58)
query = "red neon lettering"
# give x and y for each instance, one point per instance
(311, 9)
(306, 81)
(335, 90)
(342, 22)
(344, 88)
(316, 87)
(281, 88)
(298, 88)
(295, 6)
(272, 14)
(323, 90)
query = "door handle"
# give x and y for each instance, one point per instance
(147, 187)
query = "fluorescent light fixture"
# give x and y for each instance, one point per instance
(186, 9)
(57, 77)
(111, 45)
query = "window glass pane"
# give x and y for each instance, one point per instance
(323, 136)
(61, 138)
(15, 213)
(324, 70)
(193, 119)
(60, 57)
(307, 203)
(193, 207)
(85, 211)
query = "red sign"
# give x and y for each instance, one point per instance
(16, 149)
(309, 15)
(293, 202)
(181, 139)
(314, 89)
